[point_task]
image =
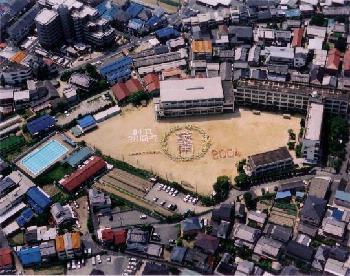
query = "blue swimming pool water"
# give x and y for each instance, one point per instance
(43, 157)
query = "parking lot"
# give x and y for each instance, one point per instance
(168, 199)
(166, 232)
(123, 219)
(110, 265)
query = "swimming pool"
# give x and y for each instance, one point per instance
(43, 157)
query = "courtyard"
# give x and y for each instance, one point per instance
(137, 137)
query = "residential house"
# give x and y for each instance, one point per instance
(346, 63)
(298, 251)
(334, 267)
(122, 90)
(6, 259)
(62, 215)
(208, 244)
(201, 262)
(245, 235)
(319, 186)
(333, 228)
(201, 50)
(99, 201)
(333, 61)
(69, 246)
(245, 268)
(256, 218)
(268, 248)
(190, 226)
(152, 268)
(298, 34)
(29, 256)
(278, 232)
(239, 35)
(48, 251)
(223, 212)
(178, 254)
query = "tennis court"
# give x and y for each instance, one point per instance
(43, 157)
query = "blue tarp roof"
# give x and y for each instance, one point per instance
(116, 76)
(86, 121)
(293, 13)
(25, 217)
(79, 156)
(38, 200)
(154, 20)
(41, 124)
(134, 9)
(341, 195)
(337, 214)
(283, 194)
(167, 32)
(118, 64)
(29, 256)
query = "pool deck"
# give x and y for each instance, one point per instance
(58, 137)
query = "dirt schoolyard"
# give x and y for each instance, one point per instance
(135, 136)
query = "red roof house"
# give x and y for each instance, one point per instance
(297, 37)
(151, 81)
(333, 60)
(346, 63)
(94, 165)
(107, 235)
(120, 237)
(6, 260)
(124, 89)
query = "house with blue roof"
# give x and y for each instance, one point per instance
(118, 70)
(29, 256)
(107, 10)
(136, 25)
(342, 198)
(25, 217)
(134, 9)
(41, 125)
(79, 156)
(38, 200)
(87, 123)
(283, 195)
(167, 33)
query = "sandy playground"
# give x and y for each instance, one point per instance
(135, 135)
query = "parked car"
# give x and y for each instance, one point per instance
(93, 260)
(143, 216)
(155, 199)
(98, 259)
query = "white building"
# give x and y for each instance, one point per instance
(189, 97)
(14, 74)
(312, 135)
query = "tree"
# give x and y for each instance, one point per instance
(137, 97)
(222, 188)
(318, 20)
(341, 44)
(249, 202)
(302, 122)
(242, 180)
(241, 164)
(92, 72)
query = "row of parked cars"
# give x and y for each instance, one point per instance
(133, 265)
(171, 191)
(75, 264)
(191, 199)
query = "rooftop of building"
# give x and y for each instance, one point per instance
(313, 126)
(191, 89)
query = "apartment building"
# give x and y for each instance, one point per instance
(273, 161)
(13, 73)
(289, 96)
(49, 28)
(20, 29)
(189, 97)
(312, 135)
(80, 23)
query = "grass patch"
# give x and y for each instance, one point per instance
(11, 145)
(291, 209)
(52, 270)
(56, 173)
(17, 239)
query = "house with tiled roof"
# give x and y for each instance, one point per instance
(6, 258)
(333, 61)
(122, 90)
(68, 246)
(208, 244)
